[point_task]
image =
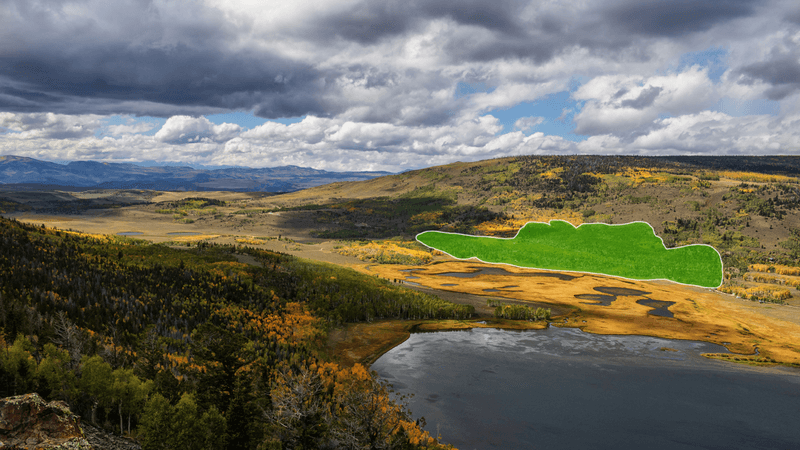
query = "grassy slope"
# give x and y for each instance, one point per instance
(747, 216)
(630, 251)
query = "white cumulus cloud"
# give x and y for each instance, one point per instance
(186, 129)
(620, 105)
(49, 125)
(527, 123)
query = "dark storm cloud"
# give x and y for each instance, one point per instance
(501, 15)
(180, 76)
(794, 15)
(365, 22)
(64, 64)
(140, 57)
(674, 17)
(781, 71)
(506, 33)
(607, 29)
(368, 22)
(499, 47)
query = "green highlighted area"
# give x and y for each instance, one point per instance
(631, 250)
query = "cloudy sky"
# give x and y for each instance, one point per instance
(392, 85)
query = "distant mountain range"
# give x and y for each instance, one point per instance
(17, 172)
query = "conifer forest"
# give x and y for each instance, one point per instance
(195, 349)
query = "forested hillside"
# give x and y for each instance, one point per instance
(748, 208)
(194, 349)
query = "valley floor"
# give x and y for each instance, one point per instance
(755, 332)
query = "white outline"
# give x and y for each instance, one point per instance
(549, 223)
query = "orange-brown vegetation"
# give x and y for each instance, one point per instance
(387, 252)
(699, 314)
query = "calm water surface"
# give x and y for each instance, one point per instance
(563, 388)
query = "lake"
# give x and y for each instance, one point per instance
(563, 388)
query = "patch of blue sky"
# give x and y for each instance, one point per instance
(557, 111)
(715, 59)
(248, 119)
(467, 89)
(739, 108)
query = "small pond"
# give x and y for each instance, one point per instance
(129, 233)
(478, 271)
(562, 388)
(660, 307)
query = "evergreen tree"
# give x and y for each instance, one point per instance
(220, 353)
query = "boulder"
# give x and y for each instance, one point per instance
(28, 422)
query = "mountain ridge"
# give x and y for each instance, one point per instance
(23, 173)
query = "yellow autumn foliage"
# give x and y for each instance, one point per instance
(509, 227)
(775, 268)
(757, 177)
(386, 252)
(785, 280)
(760, 292)
(346, 384)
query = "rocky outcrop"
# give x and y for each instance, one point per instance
(104, 440)
(28, 422)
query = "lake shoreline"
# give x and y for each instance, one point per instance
(488, 388)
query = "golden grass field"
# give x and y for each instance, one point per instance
(699, 314)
